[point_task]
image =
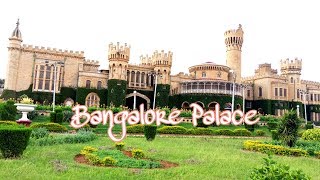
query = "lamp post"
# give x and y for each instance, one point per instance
(304, 94)
(134, 99)
(298, 113)
(155, 75)
(61, 63)
(244, 87)
(233, 88)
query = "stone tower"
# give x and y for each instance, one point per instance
(118, 57)
(13, 59)
(233, 40)
(162, 62)
(162, 65)
(291, 69)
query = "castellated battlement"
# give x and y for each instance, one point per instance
(54, 51)
(287, 64)
(162, 58)
(234, 32)
(145, 60)
(234, 38)
(91, 62)
(157, 58)
(119, 52)
(310, 82)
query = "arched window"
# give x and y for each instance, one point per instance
(260, 91)
(99, 85)
(291, 79)
(92, 99)
(185, 105)
(204, 74)
(88, 83)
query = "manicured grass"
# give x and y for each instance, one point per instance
(198, 158)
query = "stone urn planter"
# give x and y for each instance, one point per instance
(24, 108)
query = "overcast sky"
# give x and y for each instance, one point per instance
(192, 30)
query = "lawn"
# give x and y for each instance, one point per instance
(198, 158)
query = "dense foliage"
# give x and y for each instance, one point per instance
(53, 127)
(273, 170)
(150, 132)
(13, 140)
(288, 128)
(311, 135)
(8, 110)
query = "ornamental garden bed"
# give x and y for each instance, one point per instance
(119, 157)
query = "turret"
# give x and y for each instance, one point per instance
(233, 41)
(118, 64)
(291, 69)
(13, 58)
(118, 61)
(162, 62)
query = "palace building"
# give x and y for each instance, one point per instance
(40, 72)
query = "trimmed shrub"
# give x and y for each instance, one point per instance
(150, 132)
(275, 149)
(311, 146)
(260, 133)
(224, 132)
(200, 123)
(275, 135)
(288, 128)
(311, 135)
(172, 130)
(88, 149)
(32, 115)
(53, 127)
(200, 131)
(119, 145)
(13, 140)
(138, 153)
(273, 170)
(59, 117)
(8, 111)
(249, 127)
(53, 117)
(39, 133)
(309, 125)
(82, 136)
(13, 123)
(108, 161)
(93, 159)
(137, 128)
(241, 132)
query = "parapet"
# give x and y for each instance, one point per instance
(117, 51)
(291, 64)
(162, 58)
(310, 82)
(53, 51)
(145, 60)
(234, 32)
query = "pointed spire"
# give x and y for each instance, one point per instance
(18, 23)
(16, 32)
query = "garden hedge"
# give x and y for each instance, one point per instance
(13, 140)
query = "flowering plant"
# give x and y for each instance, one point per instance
(26, 100)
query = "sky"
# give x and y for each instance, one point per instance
(192, 29)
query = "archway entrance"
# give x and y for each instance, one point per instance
(185, 105)
(200, 104)
(212, 105)
(140, 99)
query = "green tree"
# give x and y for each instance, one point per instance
(288, 128)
